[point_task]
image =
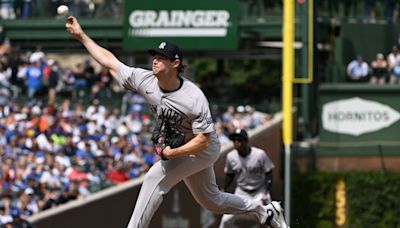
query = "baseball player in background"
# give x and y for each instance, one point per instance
(253, 169)
(184, 137)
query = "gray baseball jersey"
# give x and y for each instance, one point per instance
(250, 170)
(186, 109)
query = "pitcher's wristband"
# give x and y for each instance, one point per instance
(160, 150)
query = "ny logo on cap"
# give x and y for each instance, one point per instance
(162, 45)
(176, 56)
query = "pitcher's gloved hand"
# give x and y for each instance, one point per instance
(159, 147)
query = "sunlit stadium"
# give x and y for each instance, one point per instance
(314, 83)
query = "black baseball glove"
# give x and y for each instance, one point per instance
(166, 134)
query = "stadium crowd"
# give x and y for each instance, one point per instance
(34, 73)
(381, 70)
(367, 10)
(47, 8)
(56, 149)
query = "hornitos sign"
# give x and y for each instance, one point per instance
(357, 116)
(202, 24)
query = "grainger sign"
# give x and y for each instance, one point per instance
(178, 23)
(357, 116)
(192, 25)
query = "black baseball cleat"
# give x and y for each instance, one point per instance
(275, 217)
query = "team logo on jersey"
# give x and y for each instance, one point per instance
(171, 116)
(162, 45)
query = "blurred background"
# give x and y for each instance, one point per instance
(74, 147)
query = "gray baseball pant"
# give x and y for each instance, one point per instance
(198, 174)
(228, 220)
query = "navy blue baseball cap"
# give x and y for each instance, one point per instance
(15, 212)
(239, 133)
(167, 49)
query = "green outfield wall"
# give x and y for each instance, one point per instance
(365, 39)
(360, 119)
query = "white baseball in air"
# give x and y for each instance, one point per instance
(62, 10)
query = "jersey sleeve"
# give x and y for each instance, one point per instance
(228, 169)
(268, 164)
(130, 77)
(203, 122)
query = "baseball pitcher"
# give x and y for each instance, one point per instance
(184, 136)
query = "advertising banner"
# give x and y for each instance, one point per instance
(193, 25)
(359, 117)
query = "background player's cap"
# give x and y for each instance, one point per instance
(239, 133)
(169, 50)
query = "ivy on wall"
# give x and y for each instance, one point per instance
(372, 198)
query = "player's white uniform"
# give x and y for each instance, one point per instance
(251, 179)
(187, 108)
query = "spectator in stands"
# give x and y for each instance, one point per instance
(27, 9)
(49, 197)
(136, 170)
(68, 82)
(119, 174)
(223, 139)
(7, 10)
(357, 70)
(66, 195)
(379, 70)
(81, 82)
(108, 8)
(104, 83)
(96, 111)
(19, 221)
(27, 204)
(5, 217)
(34, 76)
(395, 75)
(227, 118)
(393, 64)
(2, 34)
(256, 9)
(134, 120)
(14, 61)
(79, 178)
(95, 92)
(89, 72)
(149, 157)
(5, 74)
(37, 56)
(52, 76)
(369, 11)
(257, 118)
(83, 8)
(391, 57)
(5, 44)
(390, 10)
(240, 119)
(113, 120)
(5, 96)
